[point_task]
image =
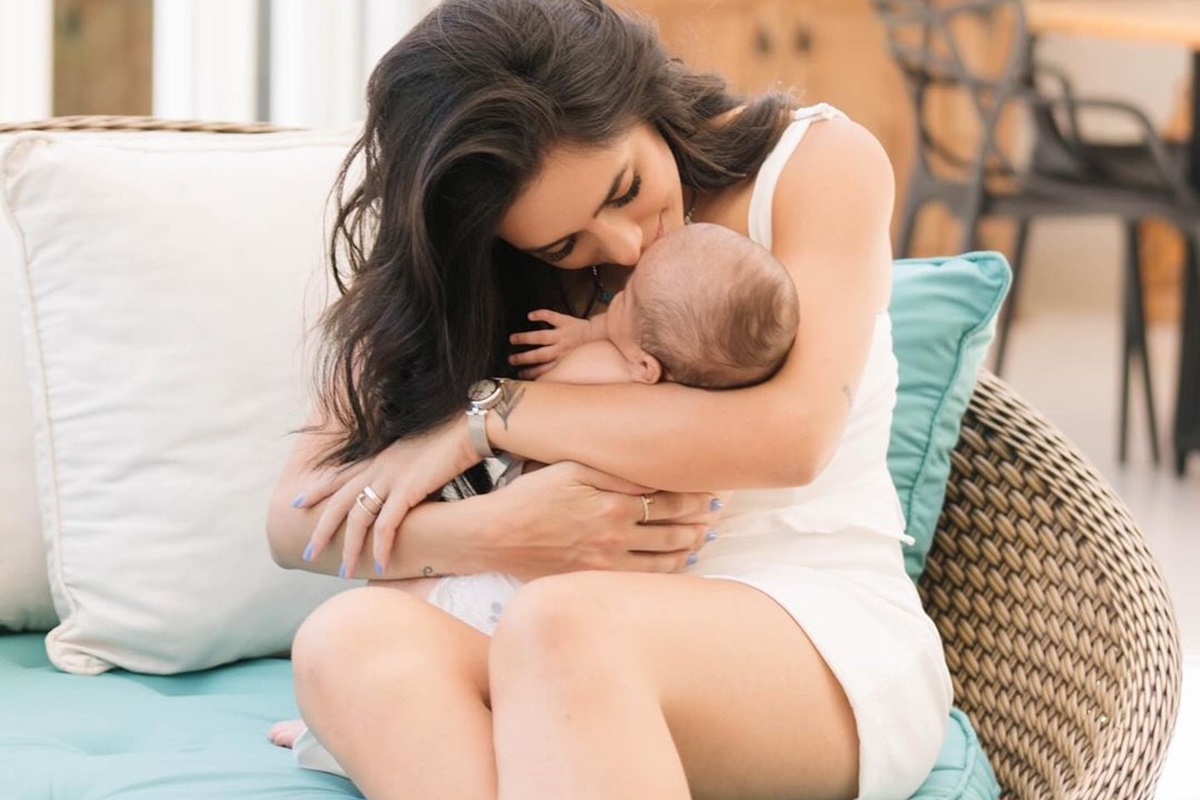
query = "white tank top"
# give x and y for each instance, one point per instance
(855, 489)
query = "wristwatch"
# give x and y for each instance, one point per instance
(483, 396)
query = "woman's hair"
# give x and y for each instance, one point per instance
(460, 115)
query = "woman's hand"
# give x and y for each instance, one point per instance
(551, 344)
(401, 476)
(567, 517)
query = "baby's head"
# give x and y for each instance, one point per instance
(705, 307)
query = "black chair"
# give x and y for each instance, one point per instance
(982, 50)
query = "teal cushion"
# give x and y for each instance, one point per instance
(125, 736)
(962, 771)
(943, 319)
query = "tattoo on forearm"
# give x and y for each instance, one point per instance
(429, 572)
(848, 393)
(508, 402)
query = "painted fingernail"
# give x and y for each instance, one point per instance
(297, 500)
(342, 571)
(378, 568)
(308, 552)
(712, 534)
(716, 504)
(692, 559)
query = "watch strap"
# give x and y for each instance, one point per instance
(477, 430)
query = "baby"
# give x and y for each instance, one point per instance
(705, 307)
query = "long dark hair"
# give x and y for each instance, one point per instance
(460, 114)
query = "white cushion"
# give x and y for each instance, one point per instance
(168, 284)
(25, 602)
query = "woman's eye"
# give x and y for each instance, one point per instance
(560, 254)
(631, 195)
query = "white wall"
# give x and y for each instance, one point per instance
(26, 63)
(318, 55)
(205, 59)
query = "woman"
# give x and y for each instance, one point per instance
(520, 154)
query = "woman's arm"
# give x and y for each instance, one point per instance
(561, 518)
(832, 211)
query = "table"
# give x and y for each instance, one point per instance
(1168, 22)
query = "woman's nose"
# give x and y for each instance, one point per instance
(624, 241)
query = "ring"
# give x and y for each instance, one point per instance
(368, 495)
(646, 501)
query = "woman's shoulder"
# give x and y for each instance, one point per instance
(839, 167)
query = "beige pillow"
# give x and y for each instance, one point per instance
(167, 285)
(25, 603)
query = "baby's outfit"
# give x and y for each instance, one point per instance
(829, 553)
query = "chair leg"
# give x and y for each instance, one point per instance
(1135, 346)
(908, 225)
(1010, 304)
(970, 231)
(1187, 402)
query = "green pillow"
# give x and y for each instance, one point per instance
(962, 771)
(943, 319)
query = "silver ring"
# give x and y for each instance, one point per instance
(646, 501)
(368, 495)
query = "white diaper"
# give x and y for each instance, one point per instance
(475, 599)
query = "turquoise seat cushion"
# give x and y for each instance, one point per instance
(943, 319)
(202, 735)
(125, 736)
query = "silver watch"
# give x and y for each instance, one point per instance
(483, 396)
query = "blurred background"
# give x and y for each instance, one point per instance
(305, 62)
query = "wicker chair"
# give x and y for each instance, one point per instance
(1059, 632)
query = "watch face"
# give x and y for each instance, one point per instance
(482, 390)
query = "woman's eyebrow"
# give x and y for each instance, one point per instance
(612, 192)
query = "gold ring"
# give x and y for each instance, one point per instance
(368, 495)
(646, 501)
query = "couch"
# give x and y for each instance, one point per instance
(152, 272)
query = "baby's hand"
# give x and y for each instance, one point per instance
(551, 344)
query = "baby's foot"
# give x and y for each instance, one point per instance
(285, 734)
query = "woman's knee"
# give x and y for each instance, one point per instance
(556, 624)
(370, 633)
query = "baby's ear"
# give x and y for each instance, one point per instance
(646, 368)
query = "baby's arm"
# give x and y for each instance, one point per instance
(551, 344)
(592, 362)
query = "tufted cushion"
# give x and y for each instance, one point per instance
(141, 737)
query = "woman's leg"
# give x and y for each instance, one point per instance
(285, 732)
(397, 690)
(612, 685)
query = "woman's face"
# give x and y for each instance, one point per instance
(598, 206)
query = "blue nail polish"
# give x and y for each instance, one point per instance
(297, 500)
(308, 551)
(712, 534)
(716, 504)
(378, 568)
(342, 571)
(692, 559)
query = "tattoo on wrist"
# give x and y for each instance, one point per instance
(510, 396)
(429, 572)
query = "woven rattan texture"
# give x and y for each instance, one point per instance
(96, 123)
(1059, 632)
